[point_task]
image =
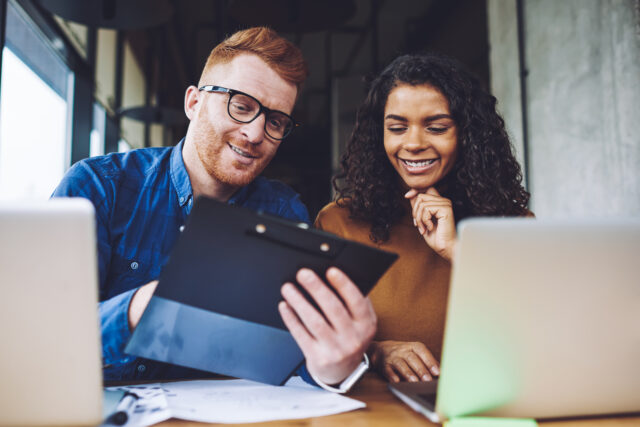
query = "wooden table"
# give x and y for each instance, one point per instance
(383, 409)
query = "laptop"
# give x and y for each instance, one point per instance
(50, 363)
(543, 321)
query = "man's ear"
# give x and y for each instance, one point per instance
(191, 101)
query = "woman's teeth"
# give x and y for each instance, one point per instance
(420, 163)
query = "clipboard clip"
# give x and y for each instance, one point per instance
(297, 238)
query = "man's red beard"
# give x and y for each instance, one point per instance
(211, 146)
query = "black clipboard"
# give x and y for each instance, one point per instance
(215, 306)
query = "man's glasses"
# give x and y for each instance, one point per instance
(245, 108)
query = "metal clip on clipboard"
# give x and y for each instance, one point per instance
(297, 238)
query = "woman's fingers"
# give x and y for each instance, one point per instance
(405, 372)
(432, 191)
(427, 358)
(428, 212)
(411, 193)
(418, 366)
(434, 219)
(390, 374)
(404, 361)
(420, 200)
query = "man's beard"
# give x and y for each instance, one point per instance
(210, 146)
(210, 157)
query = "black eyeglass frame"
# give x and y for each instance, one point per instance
(261, 109)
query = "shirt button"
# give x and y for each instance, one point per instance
(134, 265)
(141, 368)
(181, 199)
(181, 228)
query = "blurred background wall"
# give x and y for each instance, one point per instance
(113, 74)
(567, 77)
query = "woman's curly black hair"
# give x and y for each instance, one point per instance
(486, 178)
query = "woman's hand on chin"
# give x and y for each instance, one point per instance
(403, 361)
(433, 216)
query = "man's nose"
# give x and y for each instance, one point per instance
(254, 131)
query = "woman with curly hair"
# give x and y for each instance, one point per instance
(428, 149)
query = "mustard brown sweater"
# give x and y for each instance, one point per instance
(410, 299)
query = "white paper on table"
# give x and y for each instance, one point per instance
(237, 401)
(151, 406)
(243, 401)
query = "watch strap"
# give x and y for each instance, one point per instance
(348, 382)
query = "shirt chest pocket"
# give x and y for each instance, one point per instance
(130, 271)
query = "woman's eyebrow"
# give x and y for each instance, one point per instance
(438, 117)
(426, 119)
(395, 117)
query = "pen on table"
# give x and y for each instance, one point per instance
(124, 409)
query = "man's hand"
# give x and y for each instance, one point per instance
(433, 215)
(333, 344)
(139, 303)
(404, 361)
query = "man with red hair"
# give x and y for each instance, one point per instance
(239, 114)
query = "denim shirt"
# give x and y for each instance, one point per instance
(141, 199)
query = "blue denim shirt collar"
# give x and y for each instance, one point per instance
(182, 183)
(240, 196)
(179, 175)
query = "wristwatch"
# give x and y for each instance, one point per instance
(348, 382)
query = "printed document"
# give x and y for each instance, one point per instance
(233, 401)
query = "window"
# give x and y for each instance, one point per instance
(98, 133)
(132, 96)
(123, 146)
(35, 114)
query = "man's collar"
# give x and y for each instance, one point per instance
(240, 196)
(179, 175)
(182, 183)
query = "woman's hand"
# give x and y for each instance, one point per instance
(403, 361)
(433, 215)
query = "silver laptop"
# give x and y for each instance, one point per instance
(50, 366)
(543, 321)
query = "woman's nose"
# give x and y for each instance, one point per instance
(416, 140)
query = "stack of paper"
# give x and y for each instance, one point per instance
(233, 401)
